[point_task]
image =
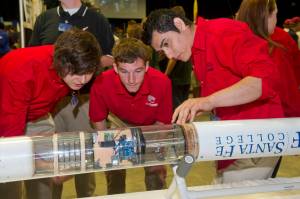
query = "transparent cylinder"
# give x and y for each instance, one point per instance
(81, 152)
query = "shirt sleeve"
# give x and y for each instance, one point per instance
(15, 102)
(248, 55)
(164, 113)
(98, 110)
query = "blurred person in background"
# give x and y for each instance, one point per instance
(292, 26)
(4, 40)
(261, 16)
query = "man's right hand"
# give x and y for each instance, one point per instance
(190, 108)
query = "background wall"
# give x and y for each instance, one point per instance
(207, 8)
(210, 9)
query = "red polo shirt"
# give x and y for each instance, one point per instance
(224, 52)
(287, 60)
(292, 48)
(152, 103)
(29, 88)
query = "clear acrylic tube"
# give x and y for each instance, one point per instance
(80, 152)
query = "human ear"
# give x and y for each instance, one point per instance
(179, 24)
(147, 66)
(115, 66)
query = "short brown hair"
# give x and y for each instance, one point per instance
(76, 52)
(129, 49)
(135, 31)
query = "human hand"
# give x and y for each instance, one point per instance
(106, 60)
(191, 108)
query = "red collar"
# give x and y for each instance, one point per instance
(199, 39)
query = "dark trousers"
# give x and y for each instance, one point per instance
(180, 93)
(41, 189)
(85, 185)
(67, 118)
(115, 181)
(11, 190)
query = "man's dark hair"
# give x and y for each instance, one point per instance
(161, 20)
(76, 52)
(129, 49)
(179, 10)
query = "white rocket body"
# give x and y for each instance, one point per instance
(36, 157)
(16, 161)
(237, 139)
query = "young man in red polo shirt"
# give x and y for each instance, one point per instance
(235, 72)
(138, 95)
(32, 81)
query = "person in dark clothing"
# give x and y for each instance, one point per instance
(4, 41)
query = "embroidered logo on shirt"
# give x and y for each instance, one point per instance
(151, 101)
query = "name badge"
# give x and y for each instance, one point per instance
(62, 27)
